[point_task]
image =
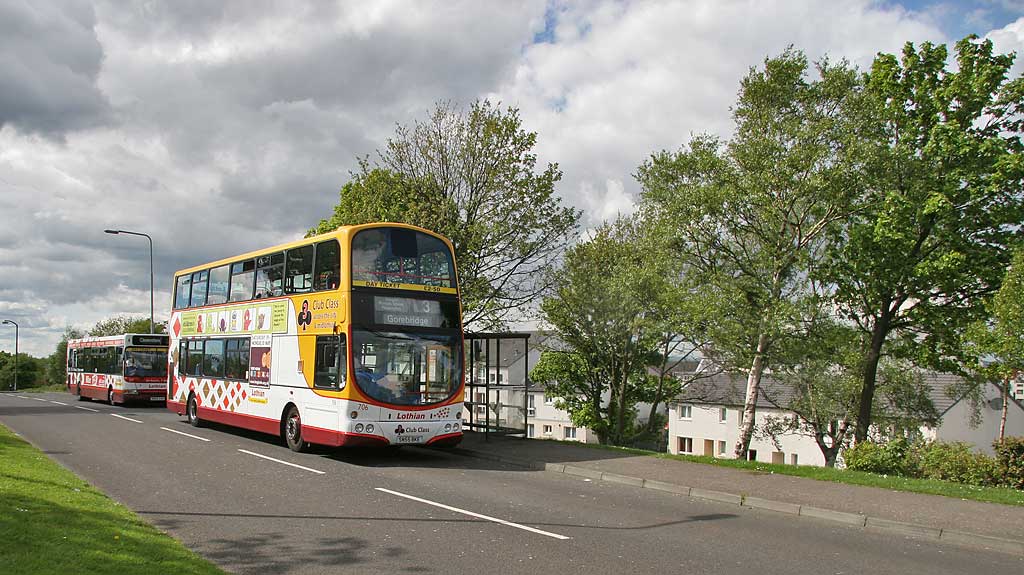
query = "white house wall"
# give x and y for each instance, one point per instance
(704, 426)
(955, 423)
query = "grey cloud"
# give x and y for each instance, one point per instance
(50, 60)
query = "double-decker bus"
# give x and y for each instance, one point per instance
(349, 338)
(118, 368)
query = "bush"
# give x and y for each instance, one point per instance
(1010, 461)
(887, 459)
(955, 461)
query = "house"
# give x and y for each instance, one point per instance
(705, 419)
(956, 415)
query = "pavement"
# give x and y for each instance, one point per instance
(937, 518)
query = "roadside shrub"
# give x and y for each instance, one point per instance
(1010, 461)
(957, 462)
(886, 459)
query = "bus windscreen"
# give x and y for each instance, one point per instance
(145, 362)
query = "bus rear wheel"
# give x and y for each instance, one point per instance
(291, 427)
(192, 412)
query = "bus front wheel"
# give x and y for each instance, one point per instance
(110, 396)
(78, 392)
(292, 429)
(192, 412)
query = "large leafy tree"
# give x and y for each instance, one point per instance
(625, 319)
(749, 214)
(597, 311)
(472, 176)
(941, 200)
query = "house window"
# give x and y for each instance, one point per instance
(685, 445)
(752, 455)
(548, 399)
(547, 430)
(723, 415)
(570, 433)
(721, 448)
(529, 430)
(684, 412)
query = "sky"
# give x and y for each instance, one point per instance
(219, 128)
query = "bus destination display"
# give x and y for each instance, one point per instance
(408, 311)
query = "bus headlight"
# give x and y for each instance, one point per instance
(458, 415)
(455, 427)
(369, 428)
(354, 414)
(447, 427)
(359, 428)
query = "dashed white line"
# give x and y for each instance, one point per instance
(36, 398)
(472, 514)
(87, 408)
(125, 418)
(24, 397)
(284, 462)
(185, 434)
(58, 402)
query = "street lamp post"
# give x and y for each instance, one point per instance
(15, 324)
(115, 232)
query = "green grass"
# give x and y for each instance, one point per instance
(1003, 495)
(45, 388)
(53, 522)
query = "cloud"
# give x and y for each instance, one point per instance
(620, 81)
(50, 59)
(218, 128)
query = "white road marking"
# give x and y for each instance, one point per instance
(472, 514)
(24, 397)
(36, 398)
(87, 408)
(284, 462)
(58, 402)
(185, 434)
(125, 418)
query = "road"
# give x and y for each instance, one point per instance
(252, 506)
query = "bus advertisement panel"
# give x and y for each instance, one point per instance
(118, 368)
(348, 338)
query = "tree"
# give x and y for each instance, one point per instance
(123, 324)
(998, 343)
(941, 200)
(749, 213)
(28, 370)
(680, 312)
(473, 177)
(597, 311)
(56, 364)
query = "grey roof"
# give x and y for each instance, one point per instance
(729, 389)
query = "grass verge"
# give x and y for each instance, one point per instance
(1003, 495)
(53, 522)
(45, 388)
